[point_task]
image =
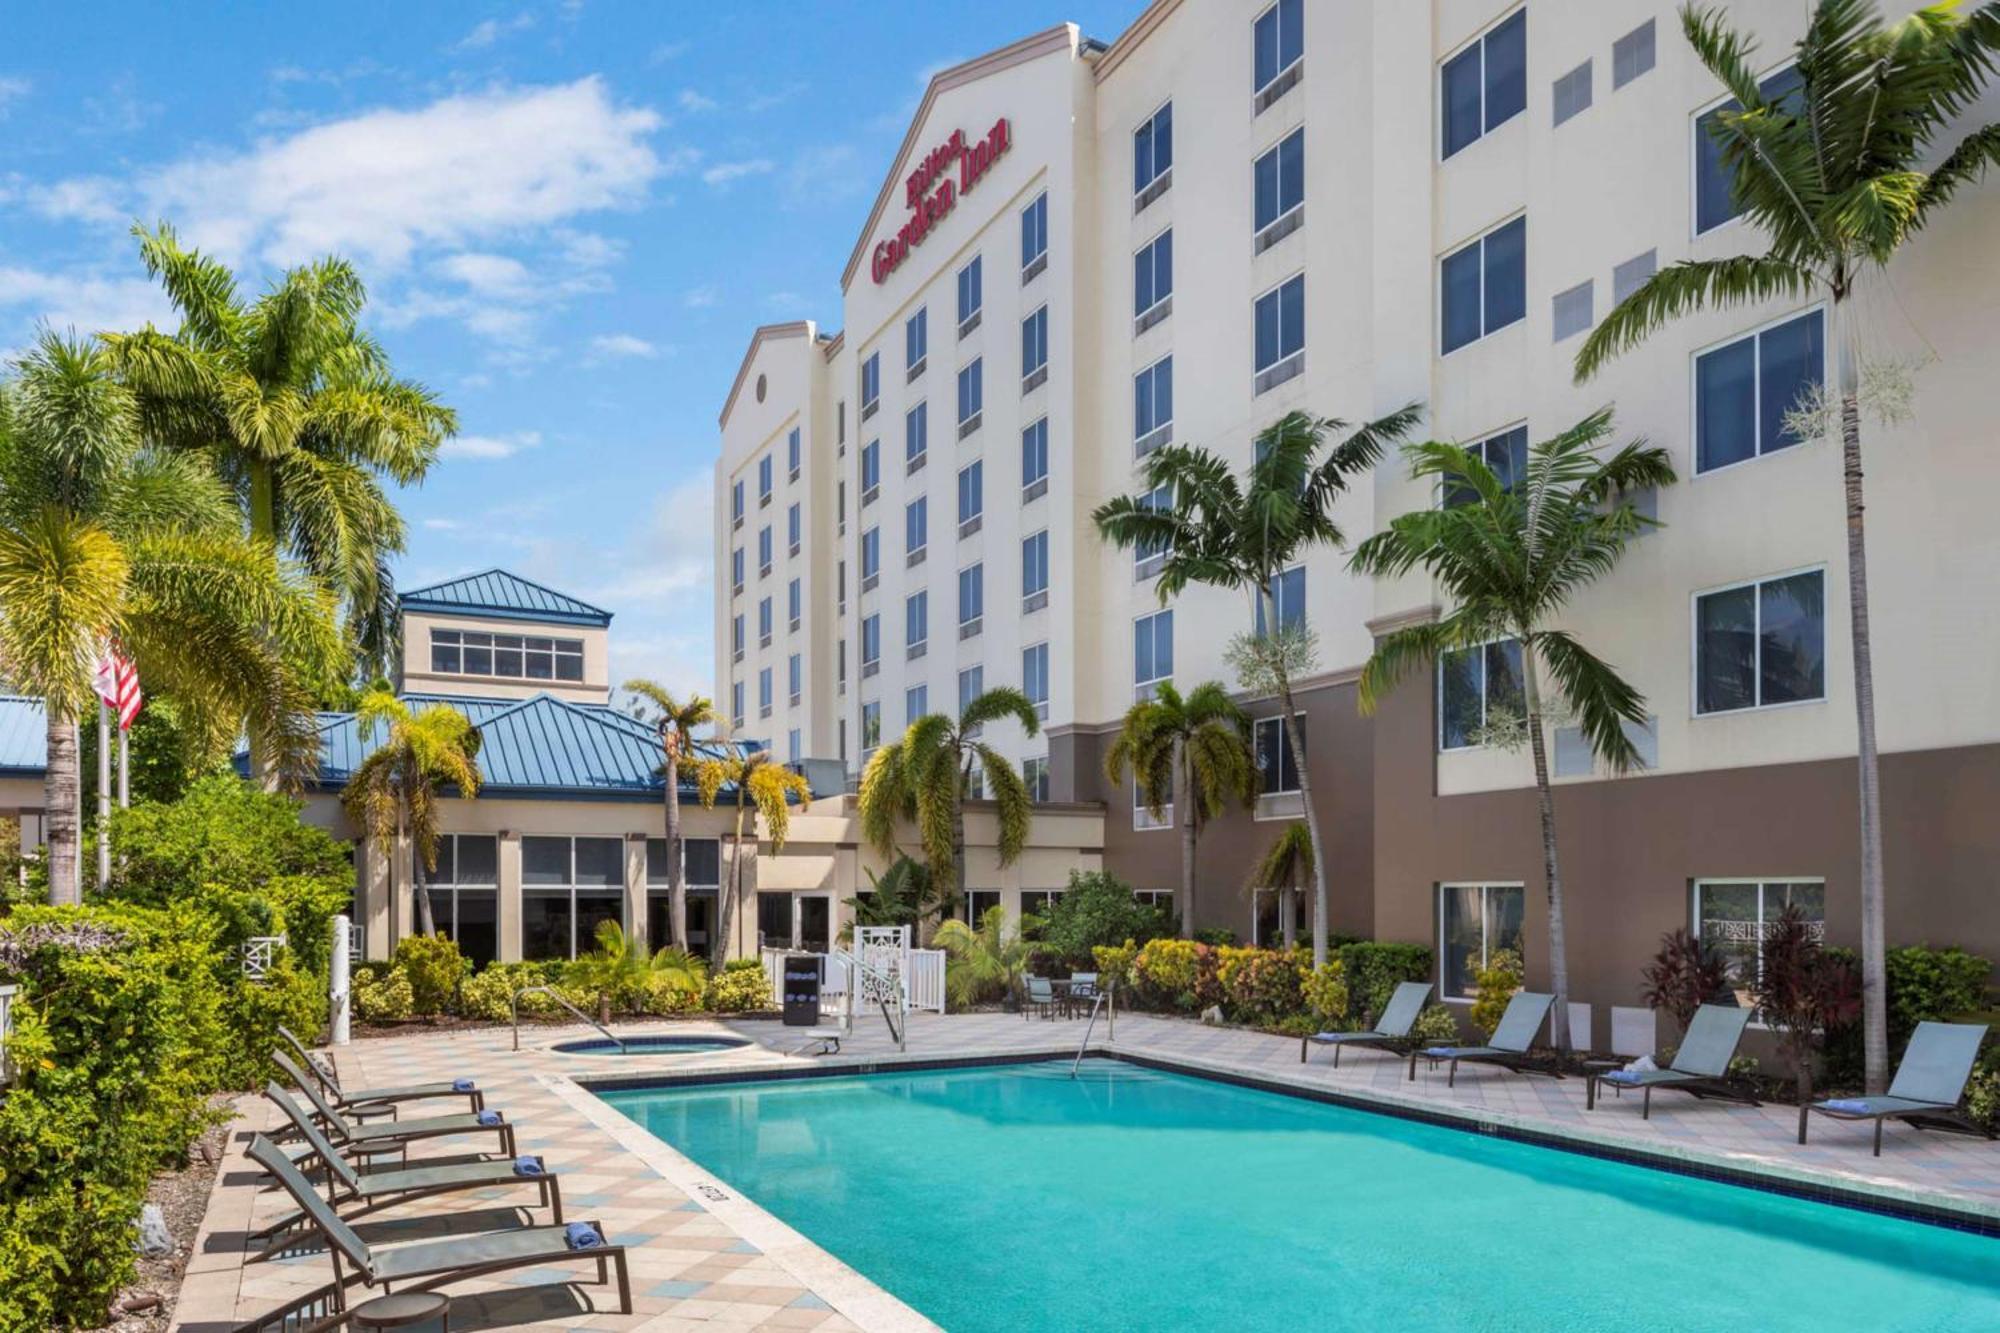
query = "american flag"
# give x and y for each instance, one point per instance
(118, 685)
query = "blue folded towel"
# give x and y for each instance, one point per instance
(1441, 1052)
(462, 1085)
(527, 1166)
(1847, 1104)
(582, 1236)
(489, 1117)
(1625, 1076)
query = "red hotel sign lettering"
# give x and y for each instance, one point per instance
(931, 191)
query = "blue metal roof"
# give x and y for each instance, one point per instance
(495, 592)
(24, 735)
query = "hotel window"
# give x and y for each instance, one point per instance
(736, 704)
(1288, 590)
(1035, 460)
(1278, 179)
(1152, 277)
(1035, 571)
(764, 551)
(1035, 677)
(1734, 917)
(1035, 349)
(840, 504)
(1475, 921)
(971, 684)
(1478, 687)
(1148, 556)
(871, 471)
(871, 644)
(1281, 333)
(1744, 389)
(1505, 455)
(736, 644)
(465, 893)
(1035, 237)
(916, 436)
(871, 384)
(736, 503)
(764, 465)
(1483, 286)
(1277, 42)
(764, 692)
(916, 525)
(794, 678)
(1152, 651)
(871, 726)
(971, 496)
(840, 422)
(792, 455)
(568, 887)
(971, 395)
(971, 296)
(512, 656)
(792, 745)
(793, 603)
(1631, 55)
(1035, 777)
(1153, 154)
(764, 622)
(1570, 94)
(1144, 817)
(1153, 406)
(871, 556)
(1277, 767)
(917, 620)
(916, 341)
(840, 665)
(971, 599)
(793, 528)
(735, 570)
(1714, 184)
(1486, 85)
(916, 703)
(701, 868)
(1761, 644)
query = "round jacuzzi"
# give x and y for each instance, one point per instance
(649, 1045)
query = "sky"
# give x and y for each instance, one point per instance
(570, 215)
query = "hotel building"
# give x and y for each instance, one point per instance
(1082, 251)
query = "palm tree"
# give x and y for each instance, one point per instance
(1199, 744)
(1509, 559)
(299, 411)
(764, 789)
(986, 958)
(903, 895)
(396, 789)
(676, 720)
(1286, 868)
(623, 965)
(105, 540)
(1243, 534)
(1837, 177)
(924, 778)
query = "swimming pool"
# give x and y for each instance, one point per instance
(647, 1045)
(1013, 1197)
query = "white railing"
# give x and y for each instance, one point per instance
(926, 980)
(357, 940)
(7, 994)
(259, 953)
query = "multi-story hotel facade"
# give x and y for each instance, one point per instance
(1236, 209)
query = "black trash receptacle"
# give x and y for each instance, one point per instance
(801, 998)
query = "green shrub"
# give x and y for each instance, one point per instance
(435, 968)
(740, 987)
(1436, 1025)
(1177, 974)
(487, 996)
(1929, 985)
(1215, 937)
(1374, 968)
(1497, 982)
(666, 995)
(387, 998)
(1982, 1094)
(222, 831)
(1114, 963)
(1097, 909)
(1260, 985)
(1324, 992)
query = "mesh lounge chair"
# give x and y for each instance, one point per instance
(329, 1083)
(1392, 1029)
(424, 1264)
(366, 1139)
(1929, 1082)
(1511, 1040)
(379, 1189)
(1699, 1067)
(1041, 995)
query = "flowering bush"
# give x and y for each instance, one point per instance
(435, 968)
(1435, 1026)
(1325, 993)
(1261, 985)
(382, 996)
(741, 986)
(1497, 982)
(1177, 974)
(1114, 963)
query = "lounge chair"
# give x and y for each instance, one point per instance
(424, 1264)
(1041, 995)
(1700, 1066)
(1509, 1047)
(1392, 1029)
(380, 1189)
(1929, 1082)
(329, 1083)
(368, 1139)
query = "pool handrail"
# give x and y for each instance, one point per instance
(514, 1006)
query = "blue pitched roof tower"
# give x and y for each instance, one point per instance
(499, 594)
(495, 634)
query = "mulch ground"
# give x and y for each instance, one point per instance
(147, 1305)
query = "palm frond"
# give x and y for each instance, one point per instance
(1679, 289)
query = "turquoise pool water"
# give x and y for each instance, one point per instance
(1014, 1198)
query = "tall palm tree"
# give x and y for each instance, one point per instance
(764, 789)
(396, 789)
(1245, 533)
(1285, 868)
(1509, 559)
(1199, 745)
(298, 409)
(675, 719)
(924, 778)
(105, 540)
(1836, 178)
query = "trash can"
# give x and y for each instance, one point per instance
(802, 983)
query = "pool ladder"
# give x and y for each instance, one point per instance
(514, 1004)
(1102, 999)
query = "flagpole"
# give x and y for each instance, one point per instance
(103, 795)
(124, 768)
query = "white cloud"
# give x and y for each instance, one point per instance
(492, 30)
(12, 89)
(489, 446)
(443, 525)
(774, 98)
(587, 249)
(820, 175)
(727, 173)
(692, 101)
(488, 275)
(623, 344)
(79, 199)
(667, 51)
(86, 302)
(699, 298)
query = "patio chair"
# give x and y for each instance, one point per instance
(1929, 1082)
(1392, 1029)
(329, 1083)
(1041, 996)
(381, 1189)
(1509, 1047)
(367, 1139)
(1699, 1067)
(424, 1264)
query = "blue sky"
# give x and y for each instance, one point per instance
(570, 216)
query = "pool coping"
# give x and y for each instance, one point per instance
(1787, 1179)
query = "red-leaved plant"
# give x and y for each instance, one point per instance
(1803, 991)
(1683, 976)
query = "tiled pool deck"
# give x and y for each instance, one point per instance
(702, 1258)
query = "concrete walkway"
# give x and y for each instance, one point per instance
(702, 1257)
